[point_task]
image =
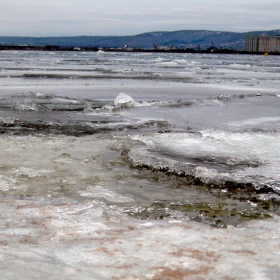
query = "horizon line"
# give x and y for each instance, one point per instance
(67, 36)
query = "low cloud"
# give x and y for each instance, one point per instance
(123, 17)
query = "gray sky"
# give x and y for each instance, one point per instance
(131, 17)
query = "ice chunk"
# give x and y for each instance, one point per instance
(123, 98)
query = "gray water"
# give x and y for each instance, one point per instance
(101, 148)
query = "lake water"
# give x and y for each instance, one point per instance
(139, 166)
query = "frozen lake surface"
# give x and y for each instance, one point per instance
(139, 166)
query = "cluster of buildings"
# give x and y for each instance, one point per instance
(253, 44)
(265, 44)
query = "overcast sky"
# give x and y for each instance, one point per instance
(131, 17)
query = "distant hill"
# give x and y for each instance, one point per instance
(180, 39)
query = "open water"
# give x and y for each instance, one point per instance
(139, 166)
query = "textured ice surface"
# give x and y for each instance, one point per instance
(68, 240)
(63, 198)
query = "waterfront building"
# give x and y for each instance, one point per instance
(263, 44)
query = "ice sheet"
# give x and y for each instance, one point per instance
(67, 202)
(215, 156)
